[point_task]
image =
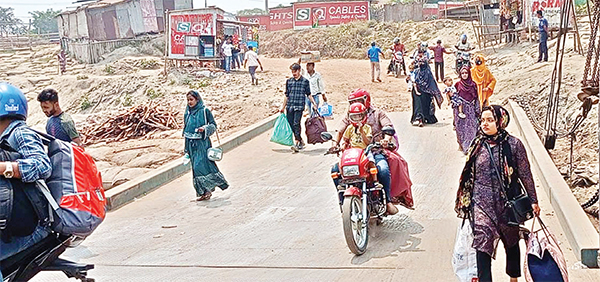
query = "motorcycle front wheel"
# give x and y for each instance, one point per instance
(355, 228)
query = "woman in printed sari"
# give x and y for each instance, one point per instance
(198, 127)
(466, 96)
(495, 160)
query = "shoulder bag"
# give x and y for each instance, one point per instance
(518, 208)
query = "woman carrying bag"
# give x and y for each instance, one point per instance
(199, 126)
(494, 184)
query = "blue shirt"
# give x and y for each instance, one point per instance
(296, 91)
(374, 53)
(543, 24)
(62, 127)
(34, 163)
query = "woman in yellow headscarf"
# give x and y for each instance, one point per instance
(484, 79)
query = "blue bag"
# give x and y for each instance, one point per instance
(326, 110)
(544, 260)
(282, 132)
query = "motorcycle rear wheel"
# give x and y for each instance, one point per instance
(356, 231)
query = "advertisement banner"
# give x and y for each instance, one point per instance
(264, 21)
(189, 24)
(317, 14)
(281, 18)
(551, 9)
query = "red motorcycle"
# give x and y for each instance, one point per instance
(363, 198)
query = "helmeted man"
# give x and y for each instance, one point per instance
(28, 162)
(377, 119)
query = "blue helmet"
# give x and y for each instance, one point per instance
(12, 102)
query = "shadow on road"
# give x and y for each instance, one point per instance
(394, 236)
(312, 152)
(215, 202)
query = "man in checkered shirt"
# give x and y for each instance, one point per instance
(297, 89)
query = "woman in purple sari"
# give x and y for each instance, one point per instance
(466, 125)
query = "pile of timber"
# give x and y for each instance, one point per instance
(137, 122)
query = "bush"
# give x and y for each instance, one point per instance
(86, 103)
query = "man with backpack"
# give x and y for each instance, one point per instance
(60, 124)
(24, 161)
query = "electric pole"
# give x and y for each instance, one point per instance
(205, 3)
(267, 6)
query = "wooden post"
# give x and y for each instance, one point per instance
(167, 35)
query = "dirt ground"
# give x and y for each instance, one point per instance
(128, 77)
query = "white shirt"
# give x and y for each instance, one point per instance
(316, 82)
(227, 49)
(252, 58)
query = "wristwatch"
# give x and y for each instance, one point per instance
(8, 171)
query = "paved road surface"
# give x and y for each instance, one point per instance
(280, 221)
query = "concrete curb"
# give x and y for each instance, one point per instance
(146, 183)
(578, 229)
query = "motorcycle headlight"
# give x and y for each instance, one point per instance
(351, 170)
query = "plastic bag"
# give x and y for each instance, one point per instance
(282, 132)
(326, 110)
(464, 258)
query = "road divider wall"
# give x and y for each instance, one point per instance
(579, 231)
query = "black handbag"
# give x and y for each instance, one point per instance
(518, 207)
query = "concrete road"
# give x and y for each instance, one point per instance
(280, 221)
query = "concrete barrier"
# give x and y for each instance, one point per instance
(145, 183)
(580, 232)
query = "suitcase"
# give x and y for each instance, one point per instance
(315, 125)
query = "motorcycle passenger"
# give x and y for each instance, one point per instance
(422, 52)
(376, 119)
(358, 133)
(397, 47)
(32, 164)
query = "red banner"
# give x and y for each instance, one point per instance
(281, 18)
(264, 21)
(329, 13)
(189, 24)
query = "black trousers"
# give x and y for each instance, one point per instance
(294, 117)
(513, 264)
(439, 68)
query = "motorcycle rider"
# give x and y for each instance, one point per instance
(397, 47)
(376, 119)
(32, 164)
(422, 50)
(464, 45)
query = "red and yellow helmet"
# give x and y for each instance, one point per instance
(361, 96)
(357, 113)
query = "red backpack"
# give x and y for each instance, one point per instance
(74, 190)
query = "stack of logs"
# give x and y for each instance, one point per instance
(139, 121)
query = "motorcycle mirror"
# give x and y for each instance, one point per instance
(388, 130)
(326, 136)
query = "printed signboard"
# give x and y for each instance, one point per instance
(281, 18)
(317, 14)
(551, 9)
(189, 24)
(264, 21)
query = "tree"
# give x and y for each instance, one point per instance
(45, 21)
(9, 24)
(251, 12)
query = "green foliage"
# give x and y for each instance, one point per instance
(153, 94)
(82, 77)
(199, 84)
(127, 101)
(147, 64)
(10, 23)
(251, 12)
(86, 103)
(45, 21)
(109, 69)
